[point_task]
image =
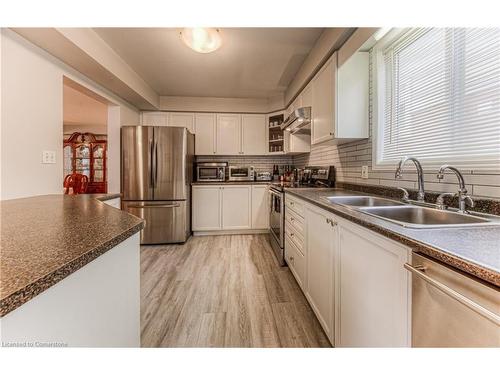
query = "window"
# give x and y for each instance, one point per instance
(437, 97)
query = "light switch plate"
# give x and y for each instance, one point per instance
(48, 157)
(364, 171)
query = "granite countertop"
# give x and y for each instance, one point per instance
(475, 250)
(46, 238)
(231, 183)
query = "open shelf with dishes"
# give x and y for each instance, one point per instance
(275, 133)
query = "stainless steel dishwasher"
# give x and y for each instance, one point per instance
(450, 308)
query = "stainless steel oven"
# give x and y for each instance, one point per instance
(241, 173)
(277, 223)
(211, 171)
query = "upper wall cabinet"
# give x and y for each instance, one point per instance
(340, 100)
(182, 119)
(253, 134)
(205, 133)
(228, 134)
(154, 119)
(324, 102)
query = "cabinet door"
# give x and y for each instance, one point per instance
(206, 208)
(260, 207)
(154, 119)
(352, 97)
(253, 134)
(228, 135)
(321, 242)
(373, 290)
(307, 96)
(297, 103)
(205, 133)
(323, 100)
(182, 119)
(236, 207)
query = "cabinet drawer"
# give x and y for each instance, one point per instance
(294, 205)
(295, 221)
(296, 261)
(295, 237)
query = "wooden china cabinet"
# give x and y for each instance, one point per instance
(85, 154)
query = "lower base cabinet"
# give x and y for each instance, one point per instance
(354, 280)
(229, 208)
(236, 207)
(321, 242)
(373, 290)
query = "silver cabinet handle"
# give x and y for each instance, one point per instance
(291, 259)
(291, 203)
(420, 272)
(331, 222)
(292, 219)
(154, 206)
(291, 234)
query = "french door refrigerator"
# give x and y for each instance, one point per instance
(156, 176)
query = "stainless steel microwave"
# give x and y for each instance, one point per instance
(211, 171)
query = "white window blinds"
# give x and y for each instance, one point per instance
(442, 97)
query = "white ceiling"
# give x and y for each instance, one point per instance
(252, 62)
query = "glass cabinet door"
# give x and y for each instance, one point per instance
(68, 160)
(98, 163)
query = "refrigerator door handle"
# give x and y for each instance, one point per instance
(151, 177)
(154, 205)
(156, 165)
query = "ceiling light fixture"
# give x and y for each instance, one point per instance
(201, 39)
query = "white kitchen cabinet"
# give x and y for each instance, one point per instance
(154, 119)
(372, 290)
(228, 134)
(306, 96)
(205, 133)
(352, 99)
(321, 244)
(236, 207)
(207, 205)
(230, 208)
(253, 134)
(297, 103)
(324, 102)
(340, 100)
(260, 207)
(296, 261)
(182, 119)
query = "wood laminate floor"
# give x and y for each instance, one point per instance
(223, 291)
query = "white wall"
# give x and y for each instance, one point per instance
(32, 119)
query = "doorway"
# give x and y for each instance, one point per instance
(85, 134)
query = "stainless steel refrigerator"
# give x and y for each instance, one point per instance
(156, 176)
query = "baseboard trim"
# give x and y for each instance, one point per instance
(237, 231)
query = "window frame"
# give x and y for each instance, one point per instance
(377, 78)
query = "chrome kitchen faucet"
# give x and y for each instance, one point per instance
(399, 174)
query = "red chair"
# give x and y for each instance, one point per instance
(78, 182)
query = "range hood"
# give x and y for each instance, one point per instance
(299, 121)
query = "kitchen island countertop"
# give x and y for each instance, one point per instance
(46, 238)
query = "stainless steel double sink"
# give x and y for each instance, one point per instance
(411, 215)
